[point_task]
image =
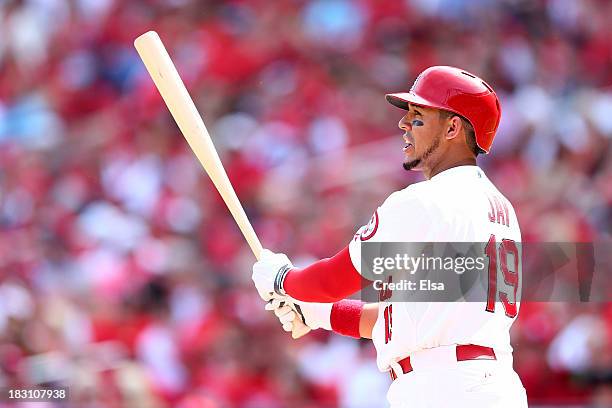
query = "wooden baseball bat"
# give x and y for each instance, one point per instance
(172, 89)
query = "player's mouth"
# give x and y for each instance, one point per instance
(409, 143)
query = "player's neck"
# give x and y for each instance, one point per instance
(448, 164)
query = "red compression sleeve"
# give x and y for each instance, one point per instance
(325, 281)
(345, 317)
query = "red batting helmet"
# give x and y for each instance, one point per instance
(457, 91)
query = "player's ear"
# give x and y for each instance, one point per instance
(453, 127)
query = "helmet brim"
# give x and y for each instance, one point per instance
(402, 99)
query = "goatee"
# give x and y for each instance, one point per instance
(411, 164)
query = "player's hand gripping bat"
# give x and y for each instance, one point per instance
(183, 110)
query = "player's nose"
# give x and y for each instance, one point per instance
(404, 124)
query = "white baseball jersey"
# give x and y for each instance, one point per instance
(457, 205)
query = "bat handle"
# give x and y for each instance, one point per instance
(299, 328)
(253, 242)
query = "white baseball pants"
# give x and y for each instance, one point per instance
(439, 380)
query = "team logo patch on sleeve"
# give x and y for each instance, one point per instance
(370, 229)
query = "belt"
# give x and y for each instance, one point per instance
(464, 352)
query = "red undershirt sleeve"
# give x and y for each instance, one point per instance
(325, 281)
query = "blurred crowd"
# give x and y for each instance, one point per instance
(121, 272)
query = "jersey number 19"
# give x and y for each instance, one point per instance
(499, 254)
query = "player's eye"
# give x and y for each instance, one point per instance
(417, 122)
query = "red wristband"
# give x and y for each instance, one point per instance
(345, 317)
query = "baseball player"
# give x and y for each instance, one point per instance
(438, 354)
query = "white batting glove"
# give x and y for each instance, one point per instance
(266, 270)
(314, 315)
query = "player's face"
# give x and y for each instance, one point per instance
(422, 134)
